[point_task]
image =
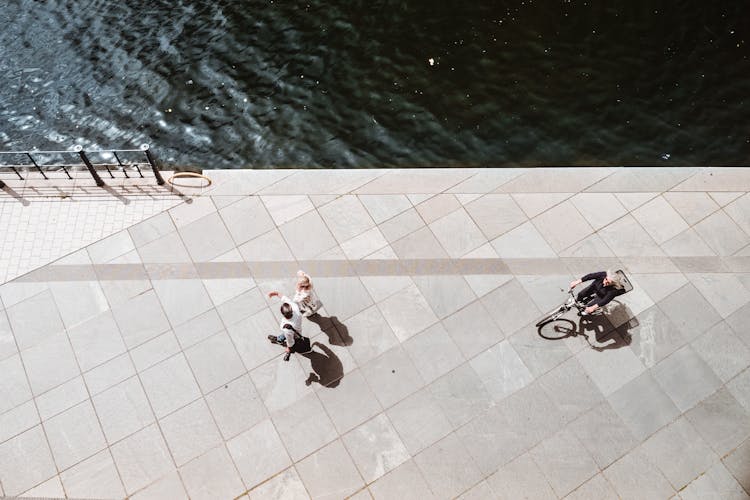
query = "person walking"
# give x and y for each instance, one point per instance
(291, 322)
(304, 295)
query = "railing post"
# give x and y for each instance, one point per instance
(92, 170)
(152, 162)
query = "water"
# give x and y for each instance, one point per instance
(234, 84)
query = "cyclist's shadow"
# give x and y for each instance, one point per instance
(598, 329)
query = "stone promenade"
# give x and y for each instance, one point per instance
(134, 359)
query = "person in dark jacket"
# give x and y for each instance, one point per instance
(606, 286)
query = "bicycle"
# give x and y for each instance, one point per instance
(554, 327)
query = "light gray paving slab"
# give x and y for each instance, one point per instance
(679, 452)
(18, 420)
(539, 355)
(175, 293)
(342, 297)
(110, 247)
(592, 246)
(482, 284)
(739, 386)
(49, 363)
(604, 434)
(249, 337)
(722, 234)
(405, 481)
(304, 426)
(721, 421)
(123, 409)
(655, 337)
(212, 475)
(35, 319)
(421, 244)
(596, 488)
(689, 311)
(433, 352)
(155, 350)
(659, 219)
(738, 211)
(14, 386)
(686, 378)
(285, 485)
(352, 403)
(168, 487)
(687, 244)
(521, 478)
(534, 204)
(346, 217)
(738, 463)
(240, 307)
(392, 376)
(284, 208)
(278, 382)
(643, 406)
(375, 448)
(723, 291)
(170, 385)
(62, 397)
(185, 213)
(524, 241)
(564, 461)
(599, 209)
(307, 236)
(140, 319)
(419, 421)
(438, 206)
(401, 225)
(269, 246)
(720, 348)
(501, 370)
(371, 333)
(95, 477)
(382, 207)
(164, 250)
(214, 362)
(407, 312)
(717, 482)
(25, 461)
(562, 226)
(206, 238)
(738, 321)
(457, 233)
(447, 467)
(364, 244)
(198, 328)
(460, 394)
(627, 238)
(570, 389)
(446, 294)
(422, 181)
(74, 435)
(190, 432)
(151, 229)
(496, 214)
(51, 488)
(641, 179)
(634, 476)
(142, 458)
(109, 373)
(692, 206)
(511, 307)
(8, 345)
(472, 329)
(246, 219)
(314, 472)
(716, 179)
(96, 341)
(236, 406)
(555, 180)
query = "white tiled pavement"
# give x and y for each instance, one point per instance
(134, 359)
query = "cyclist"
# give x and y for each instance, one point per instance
(605, 287)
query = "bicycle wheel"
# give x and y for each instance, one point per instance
(552, 316)
(557, 329)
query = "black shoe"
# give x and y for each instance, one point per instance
(273, 339)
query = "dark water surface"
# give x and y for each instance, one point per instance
(232, 84)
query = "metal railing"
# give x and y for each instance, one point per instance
(45, 162)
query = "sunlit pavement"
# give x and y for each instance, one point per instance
(135, 361)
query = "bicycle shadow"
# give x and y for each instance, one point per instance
(327, 369)
(336, 331)
(598, 330)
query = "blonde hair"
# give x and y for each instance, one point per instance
(303, 280)
(615, 278)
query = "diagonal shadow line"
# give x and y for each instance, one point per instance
(15, 194)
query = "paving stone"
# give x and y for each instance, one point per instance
(346, 217)
(214, 362)
(717, 482)
(693, 207)
(723, 351)
(25, 461)
(174, 294)
(524, 241)
(634, 476)
(659, 219)
(401, 225)
(564, 462)
(74, 435)
(604, 434)
(50, 363)
(95, 477)
(382, 207)
(364, 244)
(496, 214)
(343, 297)
(723, 291)
(486, 180)
(689, 311)
(407, 313)
(212, 475)
(687, 244)
(510, 307)
(596, 488)
(266, 247)
(562, 226)
(460, 394)
(375, 448)
(164, 250)
(140, 319)
(472, 329)
(447, 467)
(643, 406)
(170, 385)
(392, 376)
(123, 410)
(534, 204)
(501, 370)
(521, 478)
(405, 481)
(96, 341)
(285, 485)
(419, 421)
(155, 350)
(236, 406)
(108, 374)
(686, 378)
(627, 238)
(433, 352)
(14, 386)
(738, 463)
(540, 355)
(457, 233)
(307, 236)
(258, 453)
(570, 389)
(278, 382)
(738, 210)
(246, 219)
(35, 319)
(18, 420)
(721, 421)
(314, 472)
(421, 244)
(372, 335)
(169, 486)
(721, 233)
(52, 488)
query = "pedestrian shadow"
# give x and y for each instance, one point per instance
(335, 330)
(327, 369)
